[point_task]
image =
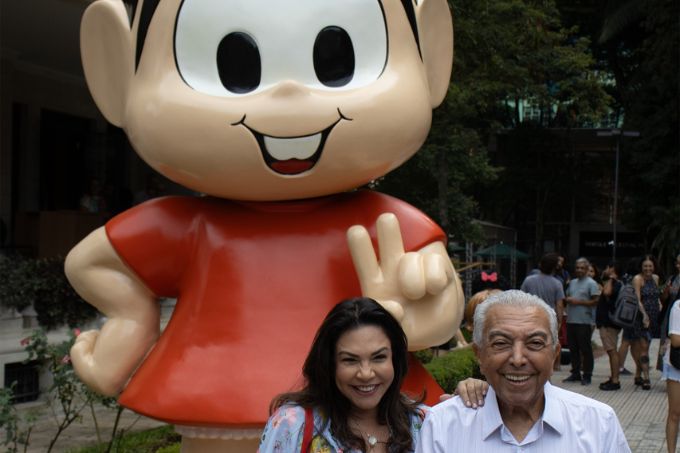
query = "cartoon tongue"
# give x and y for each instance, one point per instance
(291, 155)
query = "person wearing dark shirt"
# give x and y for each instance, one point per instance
(609, 332)
(561, 273)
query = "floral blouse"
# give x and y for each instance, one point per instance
(285, 430)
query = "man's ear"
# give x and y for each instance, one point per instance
(106, 50)
(478, 356)
(435, 32)
(558, 351)
(475, 349)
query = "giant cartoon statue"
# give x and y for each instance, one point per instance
(277, 110)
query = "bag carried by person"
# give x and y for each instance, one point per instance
(626, 307)
(674, 356)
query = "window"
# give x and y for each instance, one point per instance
(26, 376)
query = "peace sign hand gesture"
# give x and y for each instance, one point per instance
(420, 289)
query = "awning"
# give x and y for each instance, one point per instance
(502, 251)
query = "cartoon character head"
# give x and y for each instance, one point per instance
(270, 99)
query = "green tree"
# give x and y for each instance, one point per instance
(652, 176)
(441, 178)
(637, 42)
(509, 54)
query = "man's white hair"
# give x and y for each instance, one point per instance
(512, 298)
(584, 260)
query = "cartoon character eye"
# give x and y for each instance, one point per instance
(236, 47)
(333, 57)
(238, 63)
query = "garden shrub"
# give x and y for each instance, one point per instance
(42, 282)
(453, 367)
(424, 356)
(157, 440)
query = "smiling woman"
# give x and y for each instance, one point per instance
(353, 374)
(364, 368)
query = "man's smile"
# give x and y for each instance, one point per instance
(291, 155)
(517, 378)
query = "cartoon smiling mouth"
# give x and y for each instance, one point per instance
(291, 155)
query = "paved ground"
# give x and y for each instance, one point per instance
(642, 413)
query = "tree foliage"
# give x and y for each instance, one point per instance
(653, 94)
(637, 41)
(42, 282)
(509, 54)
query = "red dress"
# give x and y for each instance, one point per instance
(253, 283)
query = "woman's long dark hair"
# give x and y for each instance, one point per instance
(321, 392)
(654, 263)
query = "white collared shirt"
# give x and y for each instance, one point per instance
(570, 423)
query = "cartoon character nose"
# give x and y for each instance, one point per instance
(289, 88)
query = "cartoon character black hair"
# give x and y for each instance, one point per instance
(149, 8)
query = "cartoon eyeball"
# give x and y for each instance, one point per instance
(237, 47)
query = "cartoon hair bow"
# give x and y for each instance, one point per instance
(492, 277)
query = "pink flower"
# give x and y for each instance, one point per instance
(76, 331)
(66, 359)
(25, 341)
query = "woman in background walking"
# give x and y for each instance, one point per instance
(646, 284)
(672, 376)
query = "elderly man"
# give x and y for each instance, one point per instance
(582, 296)
(515, 340)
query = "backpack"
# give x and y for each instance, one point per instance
(626, 307)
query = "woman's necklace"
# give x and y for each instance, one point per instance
(371, 440)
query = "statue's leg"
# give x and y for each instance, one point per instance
(194, 445)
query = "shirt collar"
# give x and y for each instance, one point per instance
(552, 415)
(491, 415)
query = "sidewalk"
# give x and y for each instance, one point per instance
(642, 413)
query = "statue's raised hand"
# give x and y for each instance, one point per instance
(419, 288)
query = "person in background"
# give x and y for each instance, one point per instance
(631, 271)
(472, 305)
(582, 296)
(544, 285)
(609, 332)
(646, 284)
(594, 273)
(561, 273)
(93, 200)
(670, 294)
(672, 376)
(489, 279)
(469, 313)
(671, 291)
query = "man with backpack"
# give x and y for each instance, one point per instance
(609, 332)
